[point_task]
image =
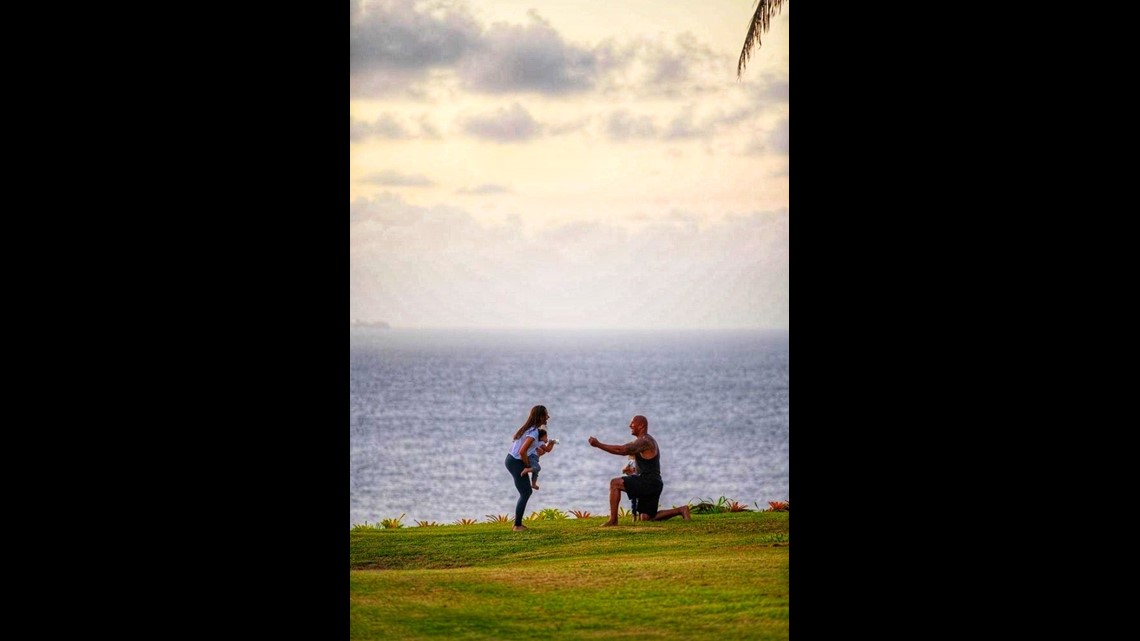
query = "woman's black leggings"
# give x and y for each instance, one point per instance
(522, 484)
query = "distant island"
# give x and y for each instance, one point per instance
(376, 324)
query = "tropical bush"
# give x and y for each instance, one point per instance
(723, 504)
(777, 506)
(549, 514)
(393, 523)
(703, 506)
(697, 505)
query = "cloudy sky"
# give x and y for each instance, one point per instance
(567, 164)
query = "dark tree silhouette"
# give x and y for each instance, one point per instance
(765, 10)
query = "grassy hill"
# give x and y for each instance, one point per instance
(719, 576)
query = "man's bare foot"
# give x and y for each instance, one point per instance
(685, 513)
(609, 523)
(533, 486)
(524, 472)
(520, 528)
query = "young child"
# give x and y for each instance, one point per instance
(533, 455)
(630, 469)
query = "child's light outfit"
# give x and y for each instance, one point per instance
(532, 456)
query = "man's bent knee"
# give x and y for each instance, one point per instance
(617, 484)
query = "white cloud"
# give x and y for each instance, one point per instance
(395, 45)
(415, 266)
(507, 124)
(534, 58)
(622, 125)
(682, 125)
(386, 126)
(778, 138)
(773, 141)
(391, 127)
(486, 189)
(391, 178)
(400, 34)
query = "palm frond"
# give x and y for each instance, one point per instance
(761, 20)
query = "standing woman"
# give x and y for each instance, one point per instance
(525, 442)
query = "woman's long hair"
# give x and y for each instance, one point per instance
(537, 416)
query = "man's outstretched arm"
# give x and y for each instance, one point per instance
(633, 447)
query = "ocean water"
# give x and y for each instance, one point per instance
(433, 412)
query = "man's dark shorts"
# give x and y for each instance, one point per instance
(647, 491)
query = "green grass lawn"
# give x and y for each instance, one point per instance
(717, 577)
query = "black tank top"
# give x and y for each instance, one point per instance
(649, 466)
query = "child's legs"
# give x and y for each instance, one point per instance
(535, 468)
